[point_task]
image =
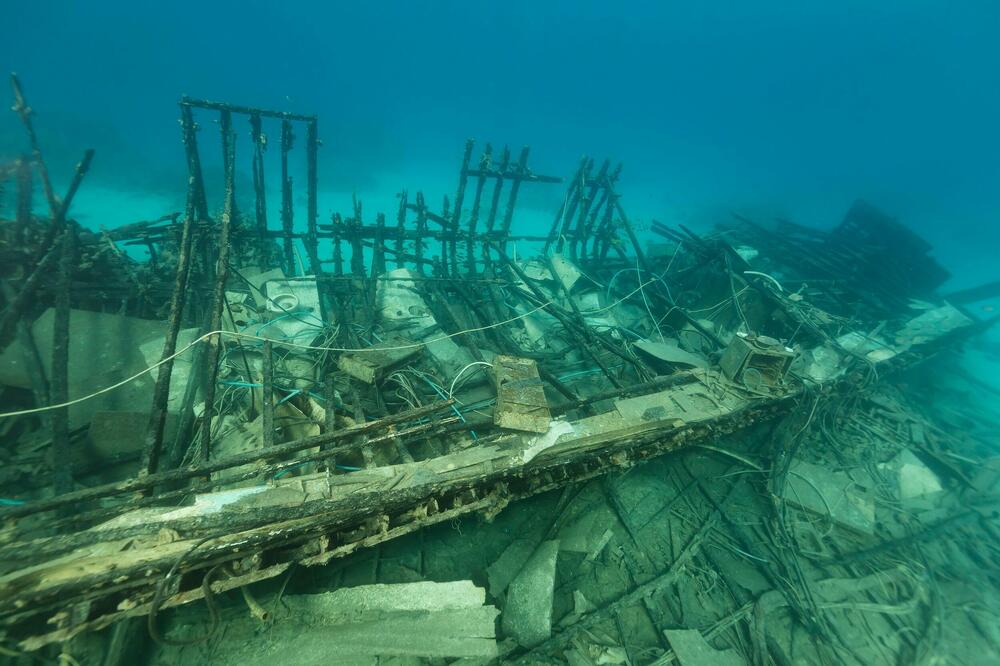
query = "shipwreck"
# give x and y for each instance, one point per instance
(695, 439)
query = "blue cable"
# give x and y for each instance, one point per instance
(440, 392)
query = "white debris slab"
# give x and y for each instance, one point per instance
(527, 615)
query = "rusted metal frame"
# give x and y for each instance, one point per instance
(196, 181)
(221, 274)
(161, 392)
(378, 256)
(267, 398)
(418, 248)
(456, 214)
(592, 235)
(354, 237)
(259, 189)
(443, 220)
(402, 257)
(485, 162)
(247, 110)
(287, 141)
(520, 174)
(326, 297)
(570, 213)
(400, 229)
(312, 211)
(580, 232)
(338, 240)
(391, 233)
(62, 472)
(378, 263)
(571, 191)
(606, 230)
(423, 214)
(501, 175)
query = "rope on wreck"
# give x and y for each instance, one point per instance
(160, 597)
(233, 334)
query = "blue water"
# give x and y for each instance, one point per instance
(774, 106)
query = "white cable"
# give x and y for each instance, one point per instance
(210, 334)
(765, 275)
(232, 334)
(451, 389)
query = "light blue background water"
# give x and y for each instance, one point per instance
(790, 107)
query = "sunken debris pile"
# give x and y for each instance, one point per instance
(249, 401)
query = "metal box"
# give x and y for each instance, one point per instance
(756, 360)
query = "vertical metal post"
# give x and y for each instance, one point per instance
(161, 391)
(219, 294)
(485, 164)
(312, 214)
(571, 193)
(418, 249)
(62, 472)
(287, 139)
(579, 193)
(196, 183)
(580, 231)
(259, 188)
(338, 250)
(378, 247)
(519, 175)
(400, 229)
(357, 251)
(497, 188)
(592, 233)
(456, 215)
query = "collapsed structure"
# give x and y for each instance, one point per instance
(251, 399)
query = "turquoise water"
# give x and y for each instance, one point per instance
(778, 106)
(776, 109)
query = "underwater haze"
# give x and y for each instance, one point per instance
(777, 108)
(374, 395)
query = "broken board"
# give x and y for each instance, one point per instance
(521, 403)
